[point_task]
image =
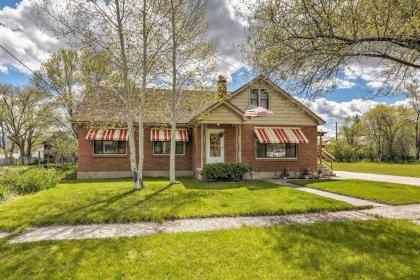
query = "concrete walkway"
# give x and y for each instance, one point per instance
(185, 225)
(378, 177)
(64, 232)
(349, 200)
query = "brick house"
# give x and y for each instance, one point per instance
(218, 132)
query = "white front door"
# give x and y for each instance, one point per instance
(215, 145)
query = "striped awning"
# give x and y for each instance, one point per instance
(280, 135)
(107, 134)
(165, 135)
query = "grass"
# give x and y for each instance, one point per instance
(389, 193)
(381, 249)
(399, 169)
(105, 201)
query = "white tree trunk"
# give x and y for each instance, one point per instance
(141, 153)
(133, 162)
(172, 154)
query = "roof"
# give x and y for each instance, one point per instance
(103, 105)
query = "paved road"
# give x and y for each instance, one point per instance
(378, 177)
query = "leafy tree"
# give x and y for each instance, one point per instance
(27, 117)
(412, 92)
(308, 42)
(66, 75)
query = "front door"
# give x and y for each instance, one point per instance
(215, 145)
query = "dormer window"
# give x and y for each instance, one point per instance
(259, 97)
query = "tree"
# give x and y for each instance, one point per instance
(191, 58)
(66, 75)
(27, 117)
(310, 42)
(386, 126)
(352, 130)
(412, 92)
(129, 32)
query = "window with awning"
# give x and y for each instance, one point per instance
(165, 135)
(280, 135)
(107, 134)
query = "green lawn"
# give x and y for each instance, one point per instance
(389, 193)
(381, 249)
(104, 201)
(399, 169)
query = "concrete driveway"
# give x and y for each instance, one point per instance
(378, 177)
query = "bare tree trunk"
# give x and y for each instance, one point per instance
(132, 147)
(131, 139)
(417, 137)
(172, 167)
(172, 156)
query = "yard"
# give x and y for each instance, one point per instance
(388, 193)
(106, 201)
(399, 169)
(381, 249)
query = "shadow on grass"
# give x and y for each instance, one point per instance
(251, 185)
(357, 247)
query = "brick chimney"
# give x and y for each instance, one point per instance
(222, 88)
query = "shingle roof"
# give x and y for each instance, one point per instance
(104, 105)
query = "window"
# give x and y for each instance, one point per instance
(164, 148)
(264, 98)
(254, 97)
(259, 97)
(276, 150)
(109, 147)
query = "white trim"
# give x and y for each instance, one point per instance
(159, 155)
(107, 154)
(222, 146)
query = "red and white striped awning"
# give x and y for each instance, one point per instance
(165, 135)
(280, 135)
(107, 134)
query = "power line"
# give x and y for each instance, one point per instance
(27, 67)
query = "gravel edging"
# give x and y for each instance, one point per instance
(68, 232)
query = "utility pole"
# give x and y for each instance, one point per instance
(336, 131)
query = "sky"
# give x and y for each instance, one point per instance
(21, 33)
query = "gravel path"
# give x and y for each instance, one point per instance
(350, 200)
(3, 234)
(377, 177)
(411, 212)
(186, 225)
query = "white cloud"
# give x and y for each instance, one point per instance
(22, 33)
(332, 111)
(328, 109)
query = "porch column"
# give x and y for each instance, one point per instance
(238, 142)
(203, 144)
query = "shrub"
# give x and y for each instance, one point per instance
(30, 180)
(69, 171)
(225, 171)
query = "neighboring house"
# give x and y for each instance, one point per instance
(218, 132)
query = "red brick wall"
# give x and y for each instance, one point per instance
(306, 158)
(89, 162)
(306, 153)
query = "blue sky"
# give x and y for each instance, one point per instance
(32, 44)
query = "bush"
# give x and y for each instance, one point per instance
(30, 180)
(69, 171)
(225, 171)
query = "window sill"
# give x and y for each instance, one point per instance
(110, 155)
(276, 159)
(167, 155)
